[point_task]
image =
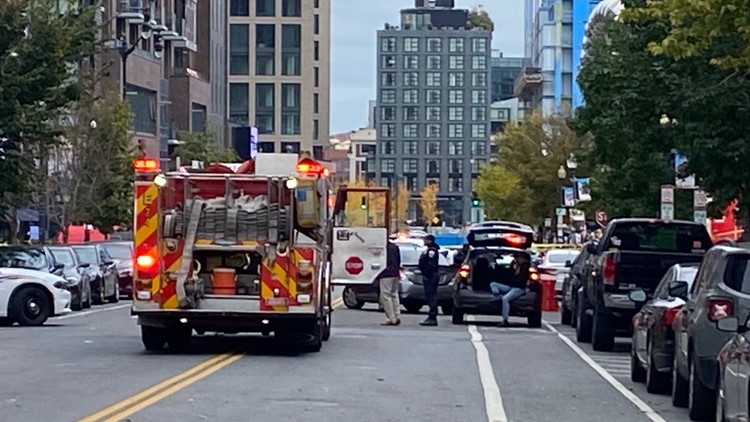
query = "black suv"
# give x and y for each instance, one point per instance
(494, 248)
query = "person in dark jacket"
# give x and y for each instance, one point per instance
(513, 286)
(389, 280)
(428, 266)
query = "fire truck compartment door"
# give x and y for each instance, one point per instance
(359, 254)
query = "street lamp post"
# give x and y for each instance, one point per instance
(126, 50)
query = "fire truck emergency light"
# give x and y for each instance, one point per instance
(146, 165)
(310, 167)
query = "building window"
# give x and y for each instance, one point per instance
(455, 184)
(291, 8)
(290, 64)
(479, 62)
(265, 43)
(291, 36)
(434, 45)
(479, 45)
(456, 45)
(456, 166)
(388, 113)
(388, 96)
(290, 123)
(456, 96)
(478, 131)
(479, 96)
(316, 50)
(433, 148)
(388, 165)
(291, 41)
(316, 24)
(316, 76)
(239, 8)
(433, 113)
(433, 131)
(197, 118)
(478, 147)
(433, 96)
(388, 79)
(411, 96)
(316, 103)
(239, 44)
(411, 62)
(290, 96)
(264, 96)
(434, 181)
(411, 79)
(434, 62)
(433, 79)
(316, 129)
(410, 147)
(290, 147)
(411, 44)
(266, 147)
(479, 79)
(410, 166)
(411, 113)
(387, 130)
(456, 79)
(478, 114)
(455, 130)
(265, 7)
(455, 148)
(476, 165)
(456, 62)
(388, 147)
(388, 44)
(411, 130)
(264, 121)
(388, 62)
(455, 113)
(433, 166)
(238, 103)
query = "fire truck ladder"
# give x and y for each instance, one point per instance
(187, 253)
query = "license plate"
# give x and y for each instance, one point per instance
(277, 301)
(560, 278)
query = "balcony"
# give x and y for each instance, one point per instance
(179, 34)
(528, 82)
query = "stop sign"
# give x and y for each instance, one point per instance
(354, 265)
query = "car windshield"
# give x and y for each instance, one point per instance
(32, 259)
(121, 252)
(559, 258)
(409, 254)
(86, 255)
(688, 274)
(659, 236)
(64, 256)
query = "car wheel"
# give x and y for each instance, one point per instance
(413, 308)
(637, 373)
(603, 334)
(115, 298)
(30, 306)
(153, 338)
(583, 324)
(680, 388)
(701, 406)
(350, 299)
(447, 308)
(565, 315)
(656, 382)
(457, 316)
(78, 304)
(87, 304)
(573, 315)
(98, 292)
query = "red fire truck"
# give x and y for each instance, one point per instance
(222, 250)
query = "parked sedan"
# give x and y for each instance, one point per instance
(122, 252)
(652, 353)
(102, 270)
(76, 275)
(29, 297)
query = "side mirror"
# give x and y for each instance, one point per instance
(728, 325)
(108, 263)
(58, 267)
(637, 296)
(678, 289)
(568, 264)
(591, 248)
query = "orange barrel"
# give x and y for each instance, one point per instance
(224, 281)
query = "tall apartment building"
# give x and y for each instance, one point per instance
(505, 71)
(177, 87)
(279, 72)
(434, 103)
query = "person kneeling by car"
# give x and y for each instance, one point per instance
(514, 286)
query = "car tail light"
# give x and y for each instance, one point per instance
(609, 269)
(670, 316)
(533, 274)
(719, 308)
(464, 271)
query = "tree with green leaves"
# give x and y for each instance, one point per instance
(202, 146)
(522, 183)
(40, 46)
(479, 18)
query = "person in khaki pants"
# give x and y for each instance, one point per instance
(389, 280)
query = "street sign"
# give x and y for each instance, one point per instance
(547, 222)
(560, 212)
(699, 199)
(667, 212)
(601, 218)
(699, 216)
(354, 265)
(667, 194)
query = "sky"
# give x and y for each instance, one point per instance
(354, 24)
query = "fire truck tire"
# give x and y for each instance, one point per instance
(153, 338)
(179, 338)
(326, 327)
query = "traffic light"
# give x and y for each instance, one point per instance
(363, 205)
(475, 201)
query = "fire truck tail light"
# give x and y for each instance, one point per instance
(146, 165)
(145, 262)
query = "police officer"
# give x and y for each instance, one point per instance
(428, 265)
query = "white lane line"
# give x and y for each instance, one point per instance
(640, 404)
(493, 401)
(91, 312)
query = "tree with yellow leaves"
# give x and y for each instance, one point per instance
(400, 207)
(428, 203)
(365, 208)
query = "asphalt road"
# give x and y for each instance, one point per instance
(77, 365)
